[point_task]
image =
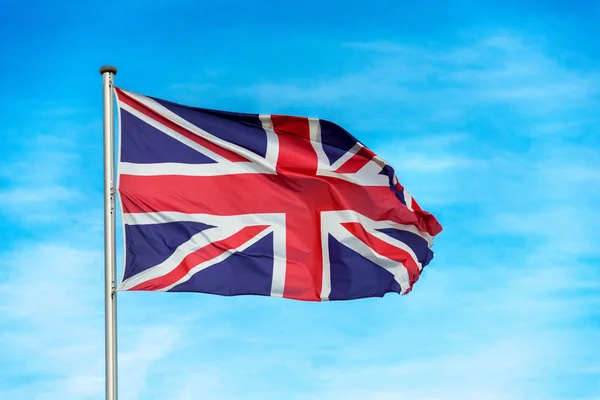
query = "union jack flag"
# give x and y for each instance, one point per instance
(246, 204)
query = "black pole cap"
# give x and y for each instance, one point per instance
(108, 68)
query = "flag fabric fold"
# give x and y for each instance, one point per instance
(246, 204)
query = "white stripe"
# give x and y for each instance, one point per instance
(314, 128)
(326, 278)
(407, 196)
(279, 259)
(208, 219)
(272, 140)
(213, 169)
(408, 199)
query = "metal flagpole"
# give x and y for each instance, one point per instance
(110, 295)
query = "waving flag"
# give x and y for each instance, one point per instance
(246, 204)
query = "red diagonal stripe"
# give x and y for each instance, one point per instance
(385, 249)
(150, 113)
(356, 162)
(206, 253)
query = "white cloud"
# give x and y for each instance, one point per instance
(42, 178)
(494, 317)
(379, 47)
(47, 300)
(503, 70)
(146, 346)
(52, 307)
(495, 370)
(423, 163)
(51, 287)
(23, 196)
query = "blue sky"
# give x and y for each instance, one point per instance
(488, 113)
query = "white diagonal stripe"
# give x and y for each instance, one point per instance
(408, 199)
(174, 134)
(361, 179)
(218, 259)
(348, 155)
(398, 270)
(234, 148)
(342, 216)
(195, 243)
(226, 225)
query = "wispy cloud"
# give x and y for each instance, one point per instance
(41, 176)
(517, 196)
(52, 305)
(46, 300)
(500, 71)
(151, 343)
(18, 197)
(492, 135)
(51, 284)
(379, 47)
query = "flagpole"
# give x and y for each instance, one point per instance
(110, 295)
